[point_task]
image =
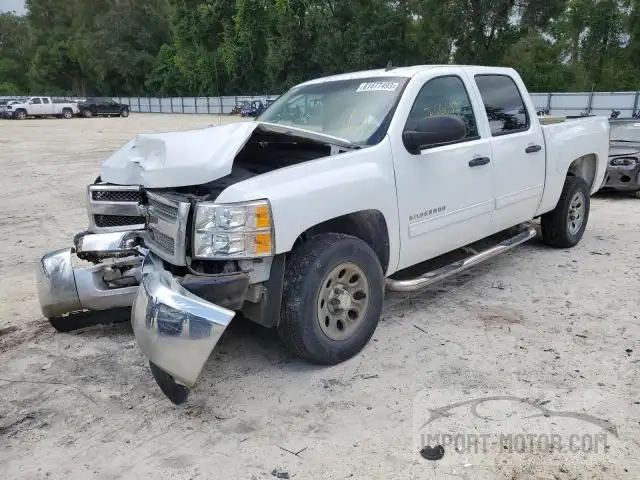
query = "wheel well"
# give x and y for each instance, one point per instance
(367, 225)
(584, 167)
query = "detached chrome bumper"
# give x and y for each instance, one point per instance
(175, 329)
(63, 289)
(176, 321)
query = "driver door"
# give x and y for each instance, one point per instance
(445, 193)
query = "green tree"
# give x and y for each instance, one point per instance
(15, 50)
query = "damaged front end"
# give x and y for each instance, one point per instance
(177, 316)
(160, 244)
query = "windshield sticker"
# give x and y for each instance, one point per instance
(378, 87)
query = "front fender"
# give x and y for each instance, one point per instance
(310, 193)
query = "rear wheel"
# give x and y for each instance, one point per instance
(124, 113)
(332, 298)
(67, 113)
(564, 226)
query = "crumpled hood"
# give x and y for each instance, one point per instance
(175, 159)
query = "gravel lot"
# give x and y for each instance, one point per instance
(560, 327)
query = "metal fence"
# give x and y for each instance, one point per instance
(595, 103)
(187, 105)
(566, 104)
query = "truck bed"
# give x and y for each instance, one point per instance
(585, 140)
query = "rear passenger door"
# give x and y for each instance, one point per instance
(111, 107)
(35, 106)
(47, 106)
(517, 147)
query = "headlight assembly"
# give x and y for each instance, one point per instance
(241, 230)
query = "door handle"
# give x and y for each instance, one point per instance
(476, 162)
(533, 149)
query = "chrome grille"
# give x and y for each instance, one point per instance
(167, 225)
(163, 210)
(163, 241)
(114, 208)
(116, 196)
(110, 221)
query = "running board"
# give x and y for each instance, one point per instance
(429, 278)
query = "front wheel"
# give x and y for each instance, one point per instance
(332, 298)
(20, 114)
(124, 113)
(564, 226)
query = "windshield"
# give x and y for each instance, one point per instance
(357, 110)
(625, 132)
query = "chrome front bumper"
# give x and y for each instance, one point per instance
(63, 289)
(175, 329)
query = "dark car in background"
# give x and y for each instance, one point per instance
(106, 107)
(252, 109)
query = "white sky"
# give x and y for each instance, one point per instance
(8, 5)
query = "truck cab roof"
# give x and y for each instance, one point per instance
(409, 72)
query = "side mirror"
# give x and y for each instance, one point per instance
(434, 131)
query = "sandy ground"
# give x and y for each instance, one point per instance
(559, 327)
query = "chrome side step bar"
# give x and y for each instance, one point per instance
(429, 278)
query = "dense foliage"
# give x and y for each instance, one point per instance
(211, 47)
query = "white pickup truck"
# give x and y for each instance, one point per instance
(301, 219)
(42, 107)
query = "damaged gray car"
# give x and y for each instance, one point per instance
(623, 170)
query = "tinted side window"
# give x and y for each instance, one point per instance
(503, 103)
(45, 100)
(37, 101)
(444, 96)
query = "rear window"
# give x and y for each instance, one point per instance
(503, 104)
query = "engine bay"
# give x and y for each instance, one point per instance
(264, 152)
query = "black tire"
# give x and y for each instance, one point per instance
(78, 320)
(307, 269)
(124, 113)
(87, 113)
(67, 113)
(556, 229)
(175, 392)
(20, 114)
